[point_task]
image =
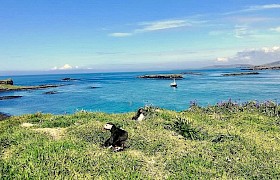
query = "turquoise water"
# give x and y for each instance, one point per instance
(123, 92)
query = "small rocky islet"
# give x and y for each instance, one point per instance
(70, 79)
(241, 74)
(162, 76)
(8, 85)
(9, 97)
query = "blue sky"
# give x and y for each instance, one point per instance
(110, 35)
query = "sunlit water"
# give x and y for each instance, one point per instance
(123, 92)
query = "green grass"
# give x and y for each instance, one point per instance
(207, 143)
(11, 87)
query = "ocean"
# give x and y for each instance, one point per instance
(124, 92)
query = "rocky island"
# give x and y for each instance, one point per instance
(69, 79)
(241, 74)
(162, 76)
(7, 81)
(9, 97)
(192, 73)
(8, 85)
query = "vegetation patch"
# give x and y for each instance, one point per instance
(217, 142)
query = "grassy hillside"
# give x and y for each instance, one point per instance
(223, 141)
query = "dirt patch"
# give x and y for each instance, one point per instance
(26, 125)
(55, 133)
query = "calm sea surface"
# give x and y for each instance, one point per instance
(123, 92)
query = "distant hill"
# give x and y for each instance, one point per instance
(270, 66)
(229, 66)
(273, 65)
(276, 63)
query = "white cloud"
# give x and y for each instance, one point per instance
(160, 25)
(156, 26)
(277, 29)
(54, 68)
(241, 31)
(65, 67)
(270, 50)
(120, 34)
(222, 59)
(263, 7)
(255, 56)
(255, 8)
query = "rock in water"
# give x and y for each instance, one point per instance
(7, 81)
(51, 92)
(162, 76)
(3, 116)
(9, 97)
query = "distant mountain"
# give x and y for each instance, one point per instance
(270, 66)
(274, 66)
(276, 63)
(229, 66)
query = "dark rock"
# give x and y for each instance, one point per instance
(7, 81)
(9, 97)
(69, 79)
(241, 74)
(4, 116)
(94, 87)
(51, 92)
(247, 69)
(162, 76)
(192, 73)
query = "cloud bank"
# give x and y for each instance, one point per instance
(253, 56)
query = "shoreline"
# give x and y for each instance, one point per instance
(268, 104)
(4, 116)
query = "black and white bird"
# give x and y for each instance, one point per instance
(117, 138)
(140, 115)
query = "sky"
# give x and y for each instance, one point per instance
(130, 35)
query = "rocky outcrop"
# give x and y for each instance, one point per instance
(162, 76)
(22, 88)
(241, 74)
(3, 116)
(7, 81)
(192, 73)
(50, 92)
(94, 87)
(9, 97)
(69, 79)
